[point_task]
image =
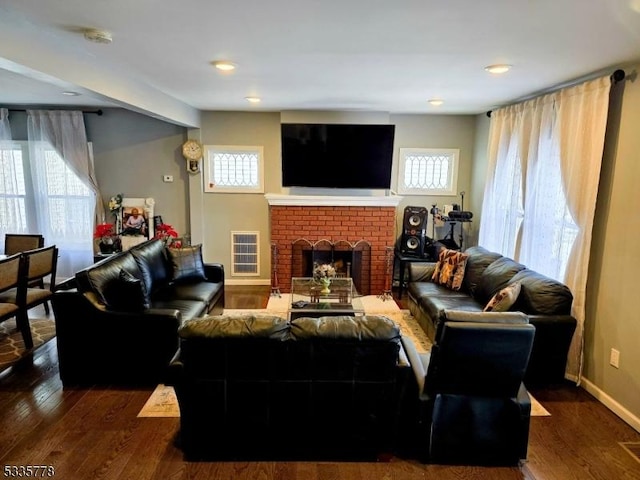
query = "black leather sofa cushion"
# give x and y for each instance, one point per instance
(368, 327)
(186, 264)
(448, 377)
(201, 291)
(428, 289)
(236, 326)
(126, 293)
(542, 295)
(188, 308)
(435, 307)
(151, 260)
(97, 278)
(479, 258)
(495, 277)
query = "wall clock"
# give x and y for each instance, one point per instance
(192, 152)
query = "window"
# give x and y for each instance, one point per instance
(70, 202)
(13, 216)
(47, 198)
(428, 171)
(233, 169)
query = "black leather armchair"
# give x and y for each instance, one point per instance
(468, 404)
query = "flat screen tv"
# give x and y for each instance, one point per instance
(337, 155)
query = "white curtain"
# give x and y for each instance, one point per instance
(543, 216)
(502, 209)
(5, 127)
(11, 207)
(65, 211)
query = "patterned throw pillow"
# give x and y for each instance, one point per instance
(449, 270)
(504, 299)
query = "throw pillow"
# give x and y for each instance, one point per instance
(449, 270)
(126, 293)
(504, 299)
(186, 263)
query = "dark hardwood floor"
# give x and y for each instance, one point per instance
(94, 434)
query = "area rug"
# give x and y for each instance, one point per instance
(12, 345)
(163, 402)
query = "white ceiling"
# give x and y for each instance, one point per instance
(355, 55)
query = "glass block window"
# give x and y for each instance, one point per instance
(233, 169)
(428, 171)
(245, 259)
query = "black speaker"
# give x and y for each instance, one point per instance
(415, 219)
(414, 231)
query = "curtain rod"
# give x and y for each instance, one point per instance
(97, 112)
(616, 77)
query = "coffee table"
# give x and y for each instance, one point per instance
(307, 300)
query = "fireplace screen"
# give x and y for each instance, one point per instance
(350, 260)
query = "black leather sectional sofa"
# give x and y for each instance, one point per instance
(546, 302)
(117, 321)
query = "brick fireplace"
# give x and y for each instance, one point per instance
(350, 219)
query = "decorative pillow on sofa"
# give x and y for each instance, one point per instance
(504, 299)
(186, 263)
(449, 270)
(126, 293)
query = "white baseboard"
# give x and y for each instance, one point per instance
(247, 281)
(611, 404)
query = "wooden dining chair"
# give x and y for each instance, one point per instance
(22, 242)
(36, 265)
(19, 242)
(12, 292)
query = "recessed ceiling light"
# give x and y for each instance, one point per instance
(253, 99)
(436, 102)
(71, 94)
(224, 65)
(98, 36)
(499, 68)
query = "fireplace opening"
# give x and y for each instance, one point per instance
(350, 260)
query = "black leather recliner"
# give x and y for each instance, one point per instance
(468, 404)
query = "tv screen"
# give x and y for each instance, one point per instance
(337, 155)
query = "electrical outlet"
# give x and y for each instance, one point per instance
(614, 358)
(167, 178)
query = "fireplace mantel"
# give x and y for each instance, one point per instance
(332, 201)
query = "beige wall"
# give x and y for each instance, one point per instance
(437, 131)
(223, 213)
(132, 153)
(479, 172)
(227, 212)
(613, 316)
